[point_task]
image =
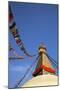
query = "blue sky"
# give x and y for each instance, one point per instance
(36, 23)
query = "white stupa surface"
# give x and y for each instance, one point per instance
(46, 76)
(42, 80)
